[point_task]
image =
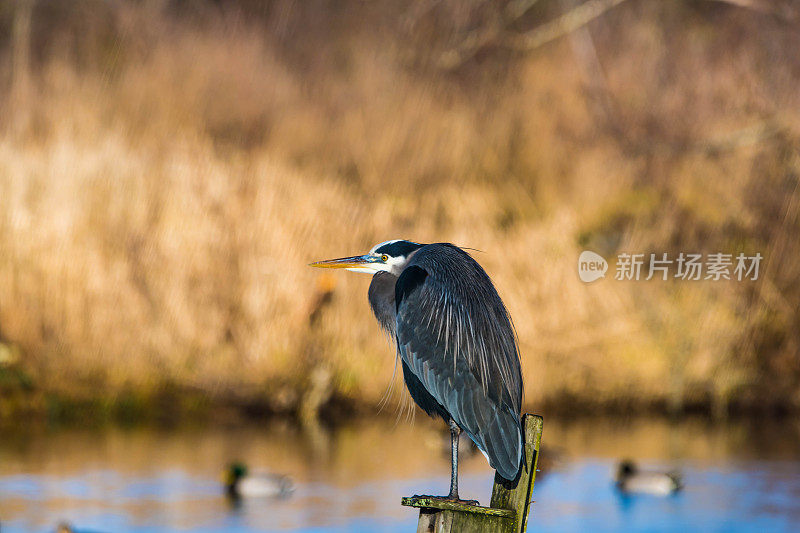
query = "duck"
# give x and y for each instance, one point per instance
(240, 483)
(630, 479)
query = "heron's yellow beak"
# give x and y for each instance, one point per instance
(346, 262)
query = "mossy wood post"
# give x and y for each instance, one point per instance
(508, 510)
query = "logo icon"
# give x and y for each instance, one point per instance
(591, 266)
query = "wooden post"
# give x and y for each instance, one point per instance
(516, 495)
(510, 504)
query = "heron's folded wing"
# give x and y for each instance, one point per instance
(459, 343)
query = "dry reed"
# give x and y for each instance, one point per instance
(167, 171)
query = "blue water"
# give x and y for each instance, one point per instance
(746, 496)
(739, 476)
(753, 496)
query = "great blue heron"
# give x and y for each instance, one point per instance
(455, 341)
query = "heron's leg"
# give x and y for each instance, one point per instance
(455, 431)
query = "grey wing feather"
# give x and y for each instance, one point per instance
(455, 335)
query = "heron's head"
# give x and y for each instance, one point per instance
(389, 256)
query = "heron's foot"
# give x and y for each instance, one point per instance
(447, 498)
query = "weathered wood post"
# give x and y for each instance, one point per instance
(510, 504)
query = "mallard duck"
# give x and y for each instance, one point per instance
(630, 479)
(240, 483)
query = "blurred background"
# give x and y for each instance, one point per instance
(169, 167)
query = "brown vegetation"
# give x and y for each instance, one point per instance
(167, 170)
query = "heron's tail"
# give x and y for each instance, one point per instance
(500, 440)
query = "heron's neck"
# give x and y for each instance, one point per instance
(381, 299)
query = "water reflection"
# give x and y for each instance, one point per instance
(739, 475)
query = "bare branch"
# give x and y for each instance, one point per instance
(563, 25)
(516, 8)
(545, 33)
(478, 39)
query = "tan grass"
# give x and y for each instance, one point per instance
(159, 205)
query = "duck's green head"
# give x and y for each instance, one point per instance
(235, 472)
(626, 469)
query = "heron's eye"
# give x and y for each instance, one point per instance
(384, 258)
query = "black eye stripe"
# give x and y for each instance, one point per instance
(398, 248)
